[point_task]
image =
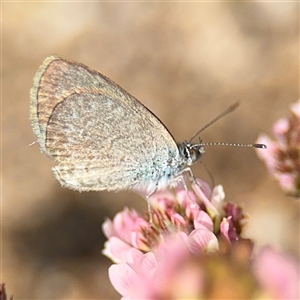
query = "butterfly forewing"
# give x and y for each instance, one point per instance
(101, 137)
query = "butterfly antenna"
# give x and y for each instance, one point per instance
(259, 146)
(224, 113)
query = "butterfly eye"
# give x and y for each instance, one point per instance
(193, 154)
(196, 152)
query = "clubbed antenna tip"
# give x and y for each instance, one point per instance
(261, 146)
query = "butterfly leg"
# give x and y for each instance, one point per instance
(192, 179)
(149, 206)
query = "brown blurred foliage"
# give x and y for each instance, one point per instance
(186, 62)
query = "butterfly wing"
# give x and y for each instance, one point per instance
(101, 137)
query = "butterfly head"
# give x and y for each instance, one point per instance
(191, 152)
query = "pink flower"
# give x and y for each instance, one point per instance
(132, 277)
(125, 232)
(282, 157)
(148, 275)
(174, 272)
(193, 250)
(269, 155)
(173, 213)
(280, 128)
(156, 274)
(278, 274)
(191, 222)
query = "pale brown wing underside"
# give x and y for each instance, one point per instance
(101, 137)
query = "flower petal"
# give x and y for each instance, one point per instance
(108, 228)
(218, 198)
(116, 249)
(202, 240)
(123, 278)
(203, 219)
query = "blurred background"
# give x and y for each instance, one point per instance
(186, 62)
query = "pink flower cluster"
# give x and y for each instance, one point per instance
(198, 224)
(282, 157)
(193, 249)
